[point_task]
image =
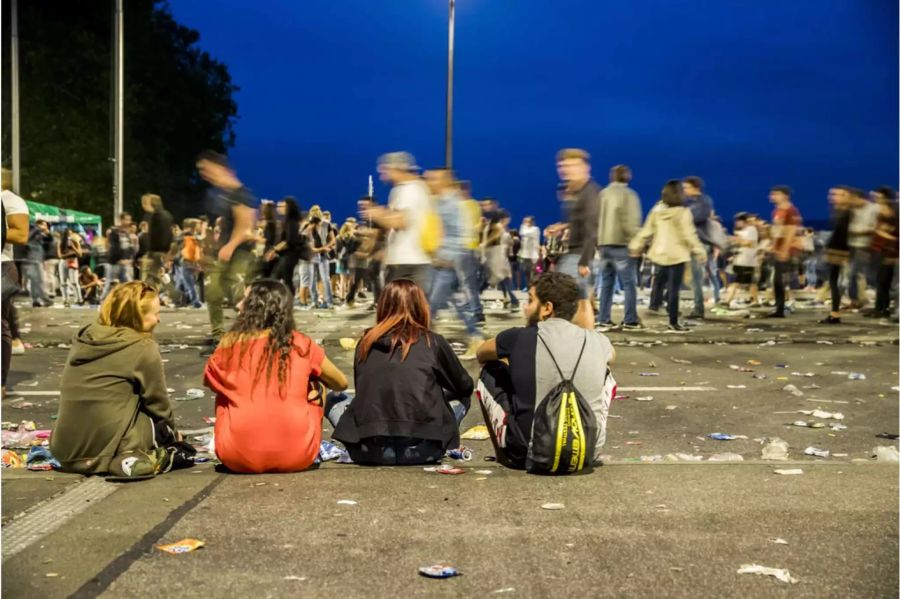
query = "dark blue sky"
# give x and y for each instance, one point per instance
(744, 93)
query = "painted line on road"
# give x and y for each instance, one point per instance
(33, 393)
(47, 517)
(667, 389)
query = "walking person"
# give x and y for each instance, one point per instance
(674, 243)
(863, 220)
(530, 250)
(885, 249)
(191, 261)
(745, 240)
(51, 262)
(121, 252)
(786, 220)
(33, 266)
(837, 248)
(405, 216)
(234, 206)
(159, 244)
(620, 220)
(581, 204)
(271, 234)
(701, 207)
(291, 246)
(14, 233)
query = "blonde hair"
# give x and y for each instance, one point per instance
(154, 200)
(573, 154)
(316, 212)
(346, 230)
(126, 305)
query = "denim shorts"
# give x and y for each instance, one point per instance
(568, 265)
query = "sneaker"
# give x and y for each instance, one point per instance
(514, 308)
(775, 314)
(677, 328)
(603, 327)
(695, 315)
(18, 348)
(633, 326)
(830, 320)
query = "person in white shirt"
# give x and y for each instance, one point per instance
(15, 232)
(746, 240)
(405, 216)
(862, 227)
(529, 252)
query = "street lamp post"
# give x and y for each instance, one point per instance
(448, 138)
(119, 110)
(14, 95)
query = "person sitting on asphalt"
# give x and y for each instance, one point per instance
(411, 389)
(114, 410)
(267, 419)
(519, 371)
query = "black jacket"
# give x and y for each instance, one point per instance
(408, 398)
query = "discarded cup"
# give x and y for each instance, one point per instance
(776, 449)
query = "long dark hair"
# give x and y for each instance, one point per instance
(268, 212)
(403, 314)
(291, 209)
(267, 307)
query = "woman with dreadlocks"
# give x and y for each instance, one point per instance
(266, 376)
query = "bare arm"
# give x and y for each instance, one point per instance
(17, 229)
(332, 377)
(386, 218)
(244, 223)
(487, 351)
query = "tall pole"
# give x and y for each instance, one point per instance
(14, 94)
(448, 139)
(118, 160)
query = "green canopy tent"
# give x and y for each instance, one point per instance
(55, 214)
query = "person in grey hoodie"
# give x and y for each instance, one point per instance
(701, 207)
(114, 411)
(620, 220)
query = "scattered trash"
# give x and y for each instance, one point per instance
(329, 451)
(891, 436)
(836, 426)
(805, 424)
(782, 575)
(778, 541)
(760, 376)
(776, 449)
(348, 344)
(11, 459)
(840, 372)
(823, 342)
(553, 506)
(632, 442)
(183, 546)
(725, 436)
(645, 398)
(726, 457)
(815, 451)
(484, 472)
(504, 590)
(680, 361)
(685, 457)
(209, 419)
(297, 578)
(463, 453)
(448, 469)
(856, 376)
(39, 458)
(822, 414)
(793, 390)
(886, 453)
(478, 432)
(51, 575)
(671, 407)
(195, 393)
(346, 502)
(789, 471)
(781, 366)
(620, 397)
(754, 362)
(439, 571)
(736, 386)
(649, 374)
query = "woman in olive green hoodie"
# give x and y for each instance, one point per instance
(114, 409)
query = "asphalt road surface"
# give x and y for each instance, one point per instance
(648, 523)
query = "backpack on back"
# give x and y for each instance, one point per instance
(565, 430)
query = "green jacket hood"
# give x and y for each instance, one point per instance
(97, 341)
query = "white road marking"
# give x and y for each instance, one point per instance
(34, 393)
(50, 515)
(667, 389)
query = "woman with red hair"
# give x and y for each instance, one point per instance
(411, 389)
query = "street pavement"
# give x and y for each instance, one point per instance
(647, 523)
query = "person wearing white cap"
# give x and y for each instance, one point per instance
(405, 216)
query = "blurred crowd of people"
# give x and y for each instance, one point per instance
(432, 230)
